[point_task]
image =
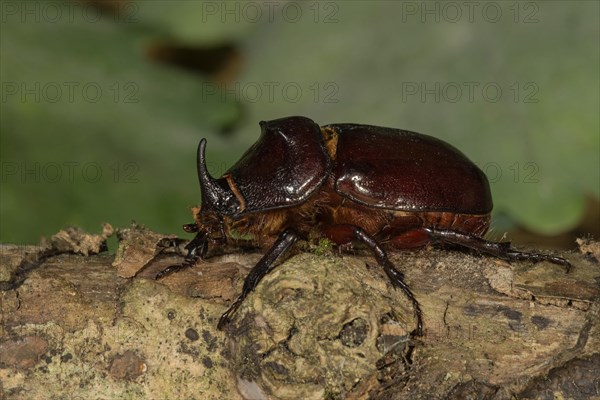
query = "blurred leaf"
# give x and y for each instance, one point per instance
(92, 130)
(395, 64)
(517, 91)
(201, 22)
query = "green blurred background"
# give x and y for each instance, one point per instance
(103, 103)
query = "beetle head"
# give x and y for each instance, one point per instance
(217, 197)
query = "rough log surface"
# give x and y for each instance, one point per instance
(76, 321)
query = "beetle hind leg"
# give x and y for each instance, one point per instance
(502, 250)
(395, 276)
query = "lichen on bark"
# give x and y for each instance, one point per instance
(320, 325)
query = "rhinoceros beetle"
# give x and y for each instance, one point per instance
(380, 186)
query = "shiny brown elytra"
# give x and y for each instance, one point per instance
(384, 187)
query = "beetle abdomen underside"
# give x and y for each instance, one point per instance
(336, 217)
(466, 223)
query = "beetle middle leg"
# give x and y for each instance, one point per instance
(502, 250)
(284, 242)
(395, 276)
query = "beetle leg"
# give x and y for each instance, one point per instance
(395, 276)
(196, 248)
(284, 242)
(501, 250)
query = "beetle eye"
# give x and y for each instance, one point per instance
(221, 202)
(228, 204)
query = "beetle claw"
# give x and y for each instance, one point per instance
(187, 263)
(537, 257)
(168, 271)
(226, 316)
(198, 243)
(502, 250)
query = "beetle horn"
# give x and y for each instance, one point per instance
(203, 176)
(214, 195)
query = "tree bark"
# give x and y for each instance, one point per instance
(78, 322)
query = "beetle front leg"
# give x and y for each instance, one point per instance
(393, 274)
(284, 242)
(196, 248)
(501, 250)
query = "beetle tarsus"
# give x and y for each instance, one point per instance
(189, 262)
(284, 242)
(196, 248)
(502, 250)
(537, 257)
(227, 315)
(395, 276)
